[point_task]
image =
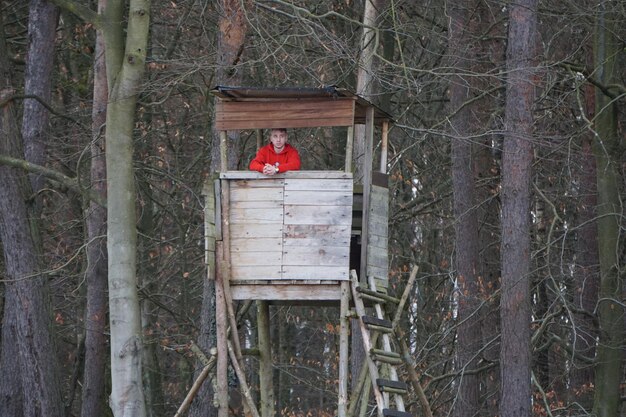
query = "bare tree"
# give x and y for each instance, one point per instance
(607, 150)
(125, 54)
(11, 391)
(466, 222)
(231, 36)
(27, 289)
(515, 313)
(94, 383)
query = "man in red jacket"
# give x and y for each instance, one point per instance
(277, 156)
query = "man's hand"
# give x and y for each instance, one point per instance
(269, 169)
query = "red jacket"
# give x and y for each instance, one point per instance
(288, 159)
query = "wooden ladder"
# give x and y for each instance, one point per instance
(383, 357)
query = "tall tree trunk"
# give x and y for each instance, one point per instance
(284, 354)
(465, 216)
(365, 84)
(230, 46)
(11, 392)
(93, 395)
(607, 149)
(125, 54)
(515, 353)
(148, 274)
(365, 88)
(42, 23)
(27, 300)
(487, 167)
(585, 291)
(488, 56)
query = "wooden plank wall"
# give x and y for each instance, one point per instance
(210, 230)
(290, 228)
(256, 228)
(378, 236)
(318, 217)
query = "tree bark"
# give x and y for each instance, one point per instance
(11, 392)
(365, 83)
(365, 87)
(607, 150)
(93, 394)
(27, 300)
(585, 291)
(466, 403)
(42, 23)
(231, 35)
(125, 54)
(515, 313)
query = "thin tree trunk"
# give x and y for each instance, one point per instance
(147, 280)
(93, 394)
(488, 56)
(585, 291)
(365, 88)
(230, 45)
(365, 82)
(487, 167)
(515, 313)
(610, 354)
(284, 355)
(465, 216)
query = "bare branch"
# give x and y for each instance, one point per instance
(68, 182)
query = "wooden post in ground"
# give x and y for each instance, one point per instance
(266, 381)
(344, 339)
(221, 324)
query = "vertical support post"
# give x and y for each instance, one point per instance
(221, 309)
(266, 382)
(223, 151)
(367, 188)
(384, 147)
(349, 146)
(343, 349)
(221, 325)
(259, 139)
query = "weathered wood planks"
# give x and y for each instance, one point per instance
(237, 115)
(295, 226)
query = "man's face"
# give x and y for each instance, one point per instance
(278, 139)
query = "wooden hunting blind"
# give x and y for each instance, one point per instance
(289, 236)
(295, 236)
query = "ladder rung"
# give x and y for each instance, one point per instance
(386, 353)
(375, 321)
(387, 412)
(385, 297)
(381, 329)
(388, 385)
(387, 359)
(373, 298)
(391, 358)
(393, 390)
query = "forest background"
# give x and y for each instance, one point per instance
(506, 165)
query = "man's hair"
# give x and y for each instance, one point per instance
(280, 129)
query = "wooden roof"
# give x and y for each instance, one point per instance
(291, 107)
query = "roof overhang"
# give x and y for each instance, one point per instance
(240, 108)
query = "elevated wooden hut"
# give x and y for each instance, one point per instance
(290, 238)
